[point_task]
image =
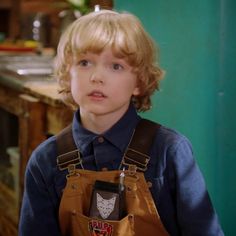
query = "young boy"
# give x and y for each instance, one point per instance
(107, 71)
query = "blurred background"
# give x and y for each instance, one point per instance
(197, 43)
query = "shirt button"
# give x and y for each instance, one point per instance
(100, 139)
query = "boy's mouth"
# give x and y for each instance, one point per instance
(97, 94)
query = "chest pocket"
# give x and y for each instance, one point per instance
(141, 218)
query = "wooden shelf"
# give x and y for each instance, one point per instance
(5, 4)
(39, 113)
(9, 211)
(9, 203)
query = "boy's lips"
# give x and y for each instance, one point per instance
(97, 94)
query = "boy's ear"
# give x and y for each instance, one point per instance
(136, 91)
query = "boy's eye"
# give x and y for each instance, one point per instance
(83, 63)
(117, 66)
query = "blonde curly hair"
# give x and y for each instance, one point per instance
(125, 35)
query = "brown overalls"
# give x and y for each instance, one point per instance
(142, 217)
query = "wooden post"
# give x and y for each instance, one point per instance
(32, 130)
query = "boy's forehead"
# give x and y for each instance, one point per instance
(107, 50)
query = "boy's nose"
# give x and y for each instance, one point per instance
(97, 76)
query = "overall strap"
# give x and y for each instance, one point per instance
(137, 153)
(66, 149)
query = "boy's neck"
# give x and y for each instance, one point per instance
(98, 124)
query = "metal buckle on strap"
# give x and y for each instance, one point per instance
(67, 159)
(133, 157)
(72, 170)
(132, 170)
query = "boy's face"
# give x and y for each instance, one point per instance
(102, 84)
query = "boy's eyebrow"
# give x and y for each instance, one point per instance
(79, 55)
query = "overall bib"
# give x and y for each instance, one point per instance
(141, 216)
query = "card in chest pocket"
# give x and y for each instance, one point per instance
(107, 201)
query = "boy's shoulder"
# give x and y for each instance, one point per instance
(159, 133)
(42, 165)
(170, 137)
(44, 154)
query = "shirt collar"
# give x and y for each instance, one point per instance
(119, 134)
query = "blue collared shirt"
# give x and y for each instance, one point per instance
(178, 187)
